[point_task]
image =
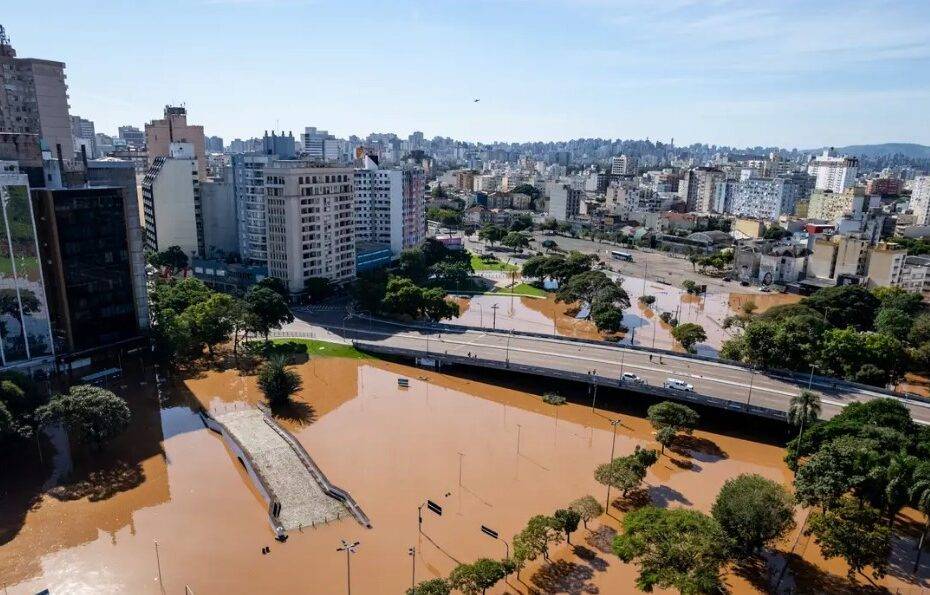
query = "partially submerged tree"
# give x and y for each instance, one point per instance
(674, 549)
(753, 512)
(277, 383)
(588, 508)
(90, 413)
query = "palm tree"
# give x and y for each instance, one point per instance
(803, 410)
(920, 496)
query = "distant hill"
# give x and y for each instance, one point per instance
(910, 150)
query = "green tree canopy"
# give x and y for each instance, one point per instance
(277, 382)
(689, 334)
(516, 240)
(475, 578)
(492, 233)
(172, 257)
(845, 305)
(435, 586)
(534, 539)
(566, 519)
(276, 285)
(588, 508)
(626, 473)
(753, 512)
(855, 533)
(89, 412)
(267, 310)
(674, 549)
(211, 322)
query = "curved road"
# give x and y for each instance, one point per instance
(739, 386)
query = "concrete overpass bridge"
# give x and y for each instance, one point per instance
(724, 385)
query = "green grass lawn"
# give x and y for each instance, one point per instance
(480, 265)
(318, 348)
(525, 289)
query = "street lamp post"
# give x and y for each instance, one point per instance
(810, 381)
(349, 549)
(594, 386)
(507, 357)
(413, 572)
(752, 373)
(494, 319)
(613, 446)
(622, 355)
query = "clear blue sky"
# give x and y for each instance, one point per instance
(795, 73)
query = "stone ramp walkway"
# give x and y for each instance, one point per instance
(304, 503)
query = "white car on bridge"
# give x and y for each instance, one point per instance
(675, 384)
(630, 378)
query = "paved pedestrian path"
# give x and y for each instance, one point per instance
(304, 503)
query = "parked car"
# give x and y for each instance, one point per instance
(727, 279)
(631, 378)
(675, 384)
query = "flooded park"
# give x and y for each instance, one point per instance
(545, 315)
(167, 507)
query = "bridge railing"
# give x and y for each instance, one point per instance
(587, 378)
(779, 374)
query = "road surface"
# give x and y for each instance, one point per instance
(737, 385)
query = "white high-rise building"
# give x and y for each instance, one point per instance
(765, 198)
(920, 199)
(310, 223)
(564, 200)
(171, 202)
(390, 205)
(833, 173)
(622, 165)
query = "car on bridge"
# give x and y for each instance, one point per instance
(675, 384)
(630, 378)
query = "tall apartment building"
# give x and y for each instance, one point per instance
(24, 312)
(830, 206)
(765, 198)
(214, 144)
(885, 264)
(390, 205)
(218, 206)
(564, 200)
(622, 165)
(319, 145)
(34, 99)
(832, 172)
(171, 202)
(135, 138)
(249, 189)
(173, 128)
(698, 188)
(310, 227)
(920, 199)
(83, 132)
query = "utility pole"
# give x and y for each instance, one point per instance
(349, 549)
(413, 572)
(494, 319)
(161, 583)
(613, 446)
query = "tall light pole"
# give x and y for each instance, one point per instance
(622, 355)
(614, 423)
(810, 380)
(413, 572)
(594, 381)
(461, 454)
(494, 319)
(349, 549)
(752, 372)
(161, 583)
(507, 359)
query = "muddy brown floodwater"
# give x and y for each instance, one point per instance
(489, 454)
(645, 327)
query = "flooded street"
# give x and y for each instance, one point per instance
(545, 315)
(488, 454)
